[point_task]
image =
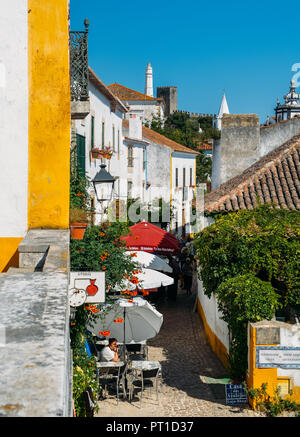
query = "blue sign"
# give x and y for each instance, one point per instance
(235, 394)
(277, 356)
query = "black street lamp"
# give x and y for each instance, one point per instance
(103, 184)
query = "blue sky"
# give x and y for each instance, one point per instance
(245, 48)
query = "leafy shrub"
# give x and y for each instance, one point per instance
(241, 299)
(250, 260)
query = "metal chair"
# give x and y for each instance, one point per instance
(142, 378)
(112, 377)
(133, 350)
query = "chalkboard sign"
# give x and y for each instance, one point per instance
(235, 394)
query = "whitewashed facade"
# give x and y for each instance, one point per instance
(144, 163)
(14, 118)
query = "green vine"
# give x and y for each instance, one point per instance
(250, 261)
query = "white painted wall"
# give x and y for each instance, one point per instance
(101, 110)
(213, 316)
(180, 161)
(290, 336)
(13, 118)
(145, 109)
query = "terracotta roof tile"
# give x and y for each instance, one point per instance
(161, 139)
(124, 93)
(274, 179)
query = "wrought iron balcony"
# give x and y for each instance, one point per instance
(79, 72)
(79, 63)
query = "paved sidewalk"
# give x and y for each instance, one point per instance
(192, 376)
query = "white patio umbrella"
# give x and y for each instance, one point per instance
(149, 278)
(141, 321)
(151, 261)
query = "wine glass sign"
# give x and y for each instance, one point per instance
(93, 283)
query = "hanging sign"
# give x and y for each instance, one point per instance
(91, 283)
(235, 394)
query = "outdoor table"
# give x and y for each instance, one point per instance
(145, 365)
(110, 364)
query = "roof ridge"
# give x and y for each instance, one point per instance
(132, 90)
(238, 183)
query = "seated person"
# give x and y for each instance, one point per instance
(110, 352)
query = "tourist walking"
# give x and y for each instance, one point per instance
(172, 291)
(187, 272)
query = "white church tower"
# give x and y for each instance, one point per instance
(223, 110)
(149, 81)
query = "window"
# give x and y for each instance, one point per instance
(80, 143)
(176, 177)
(144, 158)
(113, 139)
(129, 189)
(130, 156)
(103, 134)
(92, 132)
(191, 176)
(118, 144)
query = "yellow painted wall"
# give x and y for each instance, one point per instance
(49, 114)
(258, 376)
(9, 256)
(216, 345)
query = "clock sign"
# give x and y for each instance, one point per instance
(77, 297)
(89, 284)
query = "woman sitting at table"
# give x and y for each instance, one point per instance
(110, 352)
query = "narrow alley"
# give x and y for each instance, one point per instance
(192, 376)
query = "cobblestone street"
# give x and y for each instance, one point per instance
(192, 376)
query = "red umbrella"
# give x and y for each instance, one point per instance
(150, 238)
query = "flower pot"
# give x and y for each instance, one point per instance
(100, 153)
(77, 230)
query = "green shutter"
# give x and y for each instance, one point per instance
(80, 140)
(92, 131)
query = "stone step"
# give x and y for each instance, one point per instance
(13, 270)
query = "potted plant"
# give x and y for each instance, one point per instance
(78, 223)
(105, 152)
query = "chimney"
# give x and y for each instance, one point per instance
(149, 81)
(135, 127)
(238, 147)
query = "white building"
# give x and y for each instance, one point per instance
(143, 105)
(291, 106)
(102, 128)
(146, 165)
(169, 172)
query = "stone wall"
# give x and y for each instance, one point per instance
(243, 142)
(169, 94)
(35, 354)
(239, 147)
(274, 135)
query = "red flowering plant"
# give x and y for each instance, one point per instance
(101, 249)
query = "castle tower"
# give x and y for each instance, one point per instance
(223, 110)
(149, 81)
(169, 94)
